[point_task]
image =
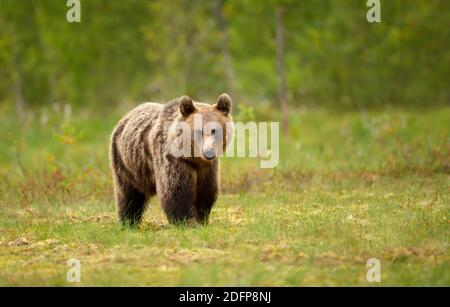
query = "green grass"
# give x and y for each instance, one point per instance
(349, 187)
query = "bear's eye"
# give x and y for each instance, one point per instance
(213, 131)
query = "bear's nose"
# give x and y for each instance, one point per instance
(209, 154)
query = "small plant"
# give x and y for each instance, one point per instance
(245, 113)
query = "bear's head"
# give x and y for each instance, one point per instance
(203, 131)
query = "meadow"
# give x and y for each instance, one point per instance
(350, 186)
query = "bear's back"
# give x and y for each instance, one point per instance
(136, 122)
(129, 143)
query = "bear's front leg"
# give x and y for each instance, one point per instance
(176, 189)
(207, 191)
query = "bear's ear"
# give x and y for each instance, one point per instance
(186, 106)
(224, 104)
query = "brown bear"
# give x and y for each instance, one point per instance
(145, 158)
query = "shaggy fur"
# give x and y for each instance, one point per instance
(143, 166)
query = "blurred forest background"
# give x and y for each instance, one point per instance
(297, 53)
(364, 161)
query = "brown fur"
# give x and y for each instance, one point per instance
(143, 166)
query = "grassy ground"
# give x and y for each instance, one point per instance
(349, 187)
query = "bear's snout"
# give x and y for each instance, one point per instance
(209, 154)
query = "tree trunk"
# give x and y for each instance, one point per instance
(19, 98)
(225, 46)
(279, 27)
(17, 87)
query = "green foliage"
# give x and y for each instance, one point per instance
(156, 50)
(244, 114)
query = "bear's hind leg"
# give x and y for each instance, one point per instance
(131, 205)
